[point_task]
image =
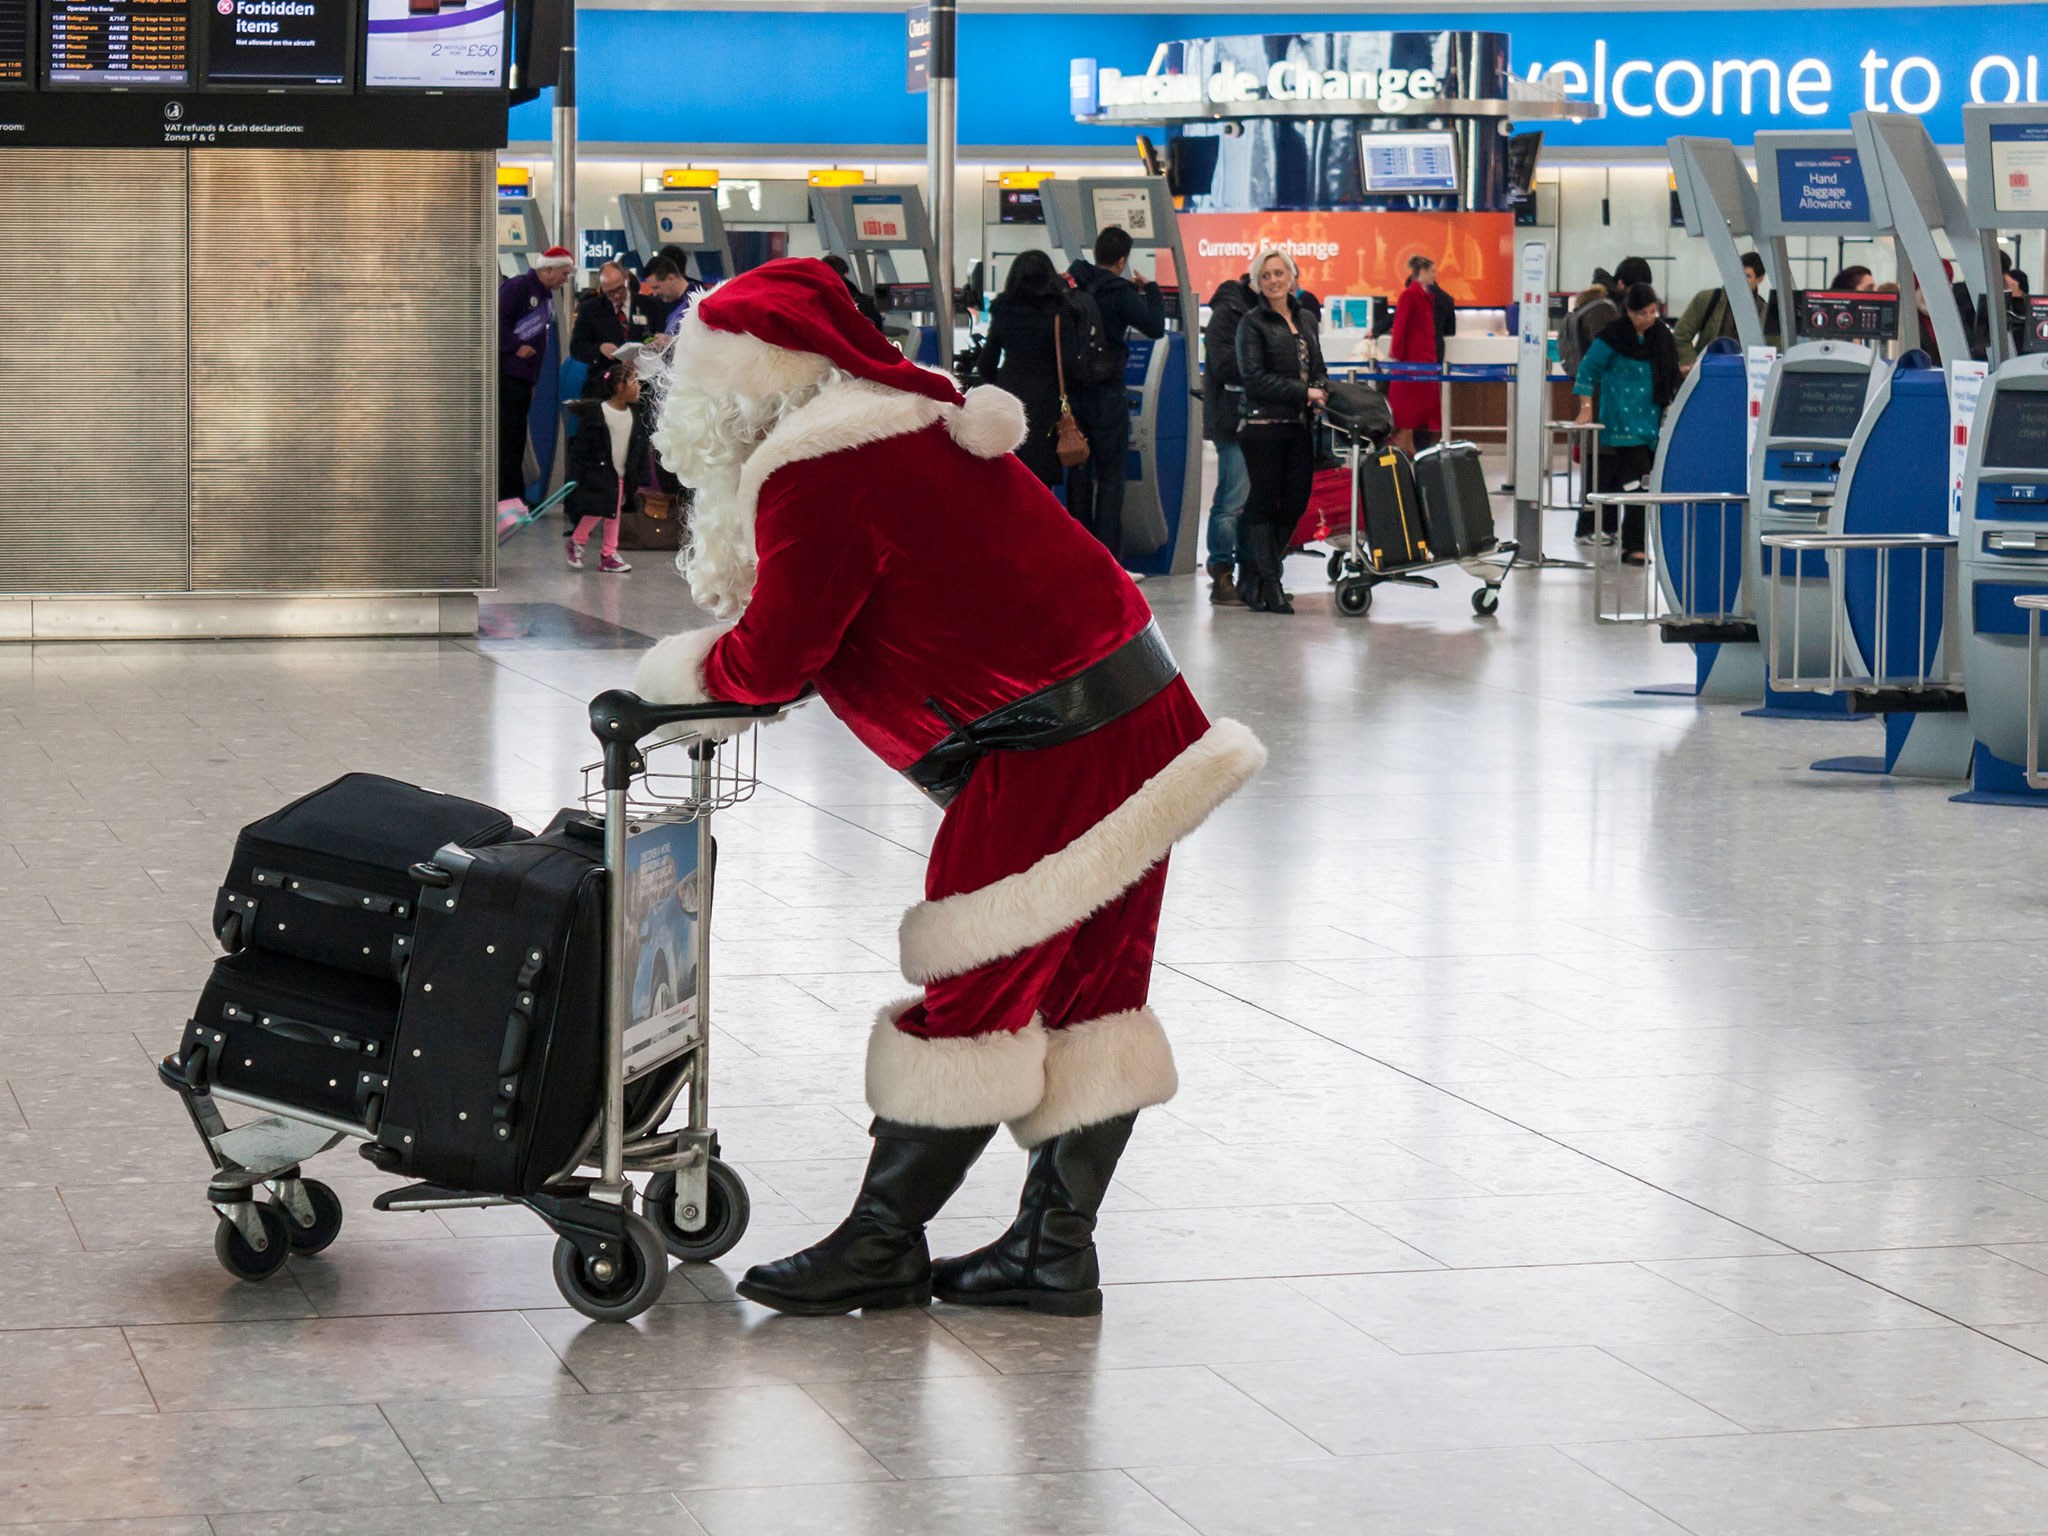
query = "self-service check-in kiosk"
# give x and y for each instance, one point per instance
(1163, 472)
(870, 226)
(1702, 450)
(1819, 389)
(2003, 516)
(522, 233)
(687, 217)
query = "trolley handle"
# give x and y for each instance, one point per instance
(620, 718)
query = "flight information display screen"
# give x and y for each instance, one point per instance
(14, 39)
(277, 42)
(2018, 438)
(1826, 406)
(120, 42)
(436, 45)
(1408, 162)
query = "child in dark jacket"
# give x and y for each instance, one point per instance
(608, 457)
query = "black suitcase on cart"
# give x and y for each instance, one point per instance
(308, 1036)
(1456, 509)
(1394, 529)
(325, 879)
(499, 1060)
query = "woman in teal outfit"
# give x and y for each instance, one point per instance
(1632, 370)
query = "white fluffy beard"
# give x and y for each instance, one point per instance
(705, 436)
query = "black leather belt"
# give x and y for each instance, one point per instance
(1108, 690)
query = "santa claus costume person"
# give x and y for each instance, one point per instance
(876, 539)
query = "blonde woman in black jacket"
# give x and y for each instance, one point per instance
(1280, 361)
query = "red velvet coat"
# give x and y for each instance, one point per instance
(905, 559)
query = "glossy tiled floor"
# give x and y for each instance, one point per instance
(1594, 1124)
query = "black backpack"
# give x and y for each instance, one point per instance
(1092, 359)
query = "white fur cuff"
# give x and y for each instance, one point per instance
(980, 1080)
(1098, 1070)
(673, 672)
(952, 936)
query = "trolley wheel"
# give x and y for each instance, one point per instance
(326, 1218)
(1354, 597)
(1335, 566)
(618, 1285)
(1486, 602)
(725, 1223)
(244, 1262)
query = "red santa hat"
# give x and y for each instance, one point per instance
(777, 327)
(553, 256)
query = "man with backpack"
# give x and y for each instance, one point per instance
(1095, 489)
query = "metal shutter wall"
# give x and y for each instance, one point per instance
(92, 370)
(343, 350)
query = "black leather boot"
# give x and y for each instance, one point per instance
(1046, 1261)
(876, 1257)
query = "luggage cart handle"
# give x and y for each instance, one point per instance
(618, 717)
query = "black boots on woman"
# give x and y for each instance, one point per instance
(1258, 584)
(1046, 1261)
(876, 1257)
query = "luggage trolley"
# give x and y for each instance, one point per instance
(1355, 568)
(664, 771)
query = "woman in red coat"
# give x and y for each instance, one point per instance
(1417, 403)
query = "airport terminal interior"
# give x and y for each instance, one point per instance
(1612, 1085)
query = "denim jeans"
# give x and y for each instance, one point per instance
(1233, 485)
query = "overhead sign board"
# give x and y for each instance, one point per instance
(679, 221)
(439, 45)
(16, 31)
(879, 217)
(1128, 208)
(2019, 167)
(1823, 186)
(120, 42)
(278, 42)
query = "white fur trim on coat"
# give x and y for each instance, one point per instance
(1098, 1070)
(954, 935)
(981, 1080)
(673, 672)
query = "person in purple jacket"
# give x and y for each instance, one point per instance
(525, 312)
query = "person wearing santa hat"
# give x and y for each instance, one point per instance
(876, 539)
(526, 311)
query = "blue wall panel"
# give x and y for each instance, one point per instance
(836, 77)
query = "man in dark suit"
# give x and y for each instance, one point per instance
(607, 317)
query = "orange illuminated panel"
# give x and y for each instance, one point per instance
(120, 42)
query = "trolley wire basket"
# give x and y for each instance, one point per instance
(1696, 601)
(683, 774)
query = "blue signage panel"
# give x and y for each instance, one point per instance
(829, 77)
(1824, 185)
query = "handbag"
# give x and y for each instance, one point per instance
(650, 522)
(1072, 445)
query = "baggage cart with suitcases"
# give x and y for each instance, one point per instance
(545, 1014)
(1385, 517)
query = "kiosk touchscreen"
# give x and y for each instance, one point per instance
(871, 226)
(1163, 469)
(683, 216)
(521, 232)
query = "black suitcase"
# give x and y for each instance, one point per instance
(1394, 530)
(325, 879)
(1358, 410)
(500, 1051)
(309, 1036)
(1456, 509)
